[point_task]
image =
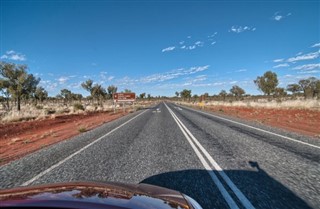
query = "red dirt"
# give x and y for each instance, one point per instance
(302, 121)
(20, 138)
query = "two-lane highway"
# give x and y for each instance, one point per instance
(218, 162)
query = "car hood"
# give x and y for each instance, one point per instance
(94, 195)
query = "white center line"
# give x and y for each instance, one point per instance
(258, 129)
(77, 152)
(192, 141)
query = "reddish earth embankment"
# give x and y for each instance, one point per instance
(303, 121)
(20, 138)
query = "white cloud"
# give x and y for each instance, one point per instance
(278, 60)
(309, 72)
(63, 79)
(191, 47)
(241, 70)
(199, 78)
(240, 29)
(316, 45)
(170, 48)
(12, 55)
(183, 47)
(281, 65)
(188, 36)
(213, 43)
(199, 43)
(172, 74)
(278, 16)
(307, 67)
(110, 78)
(309, 56)
(213, 35)
(181, 42)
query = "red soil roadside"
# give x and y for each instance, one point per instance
(20, 138)
(302, 121)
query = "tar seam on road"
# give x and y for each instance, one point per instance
(258, 129)
(192, 140)
(77, 152)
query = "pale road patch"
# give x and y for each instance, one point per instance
(258, 129)
(192, 141)
(77, 152)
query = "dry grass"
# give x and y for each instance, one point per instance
(264, 103)
(51, 109)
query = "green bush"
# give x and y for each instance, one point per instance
(78, 106)
(50, 111)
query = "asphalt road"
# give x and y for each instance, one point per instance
(221, 162)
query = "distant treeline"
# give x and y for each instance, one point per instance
(17, 85)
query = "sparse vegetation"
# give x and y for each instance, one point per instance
(78, 106)
(82, 129)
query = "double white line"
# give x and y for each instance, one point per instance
(209, 164)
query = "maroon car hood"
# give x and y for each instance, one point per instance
(93, 195)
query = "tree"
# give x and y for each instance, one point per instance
(237, 91)
(267, 83)
(98, 92)
(19, 83)
(40, 94)
(309, 87)
(195, 97)
(177, 94)
(127, 91)
(294, 88)
(66, 95)
(223, 94)
(142, 95)
(149, 97)
(87, 85)
(4, 89)
(280, 92)
(111, 90)
(185, 94)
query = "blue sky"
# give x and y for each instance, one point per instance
(160, 47)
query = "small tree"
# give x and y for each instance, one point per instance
(267, 83)
(66, 95)
(237, 91)
(4, 89)
(111, 90)
(310, 87)
(18, 82)
(280, 92)
(98, 92)
(185, 94)
(127, 91)
(142, 95)
(40, 94)
(195, 97)
(294, 88)
(223, 94)
(149, 97)
(177, 94)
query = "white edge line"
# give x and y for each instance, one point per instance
(77, 152)
(213, 176)
(246, 203)
(258, 129)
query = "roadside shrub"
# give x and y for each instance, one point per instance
(78, 106)
(50, 111)
(82, 129)
(39, 107)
